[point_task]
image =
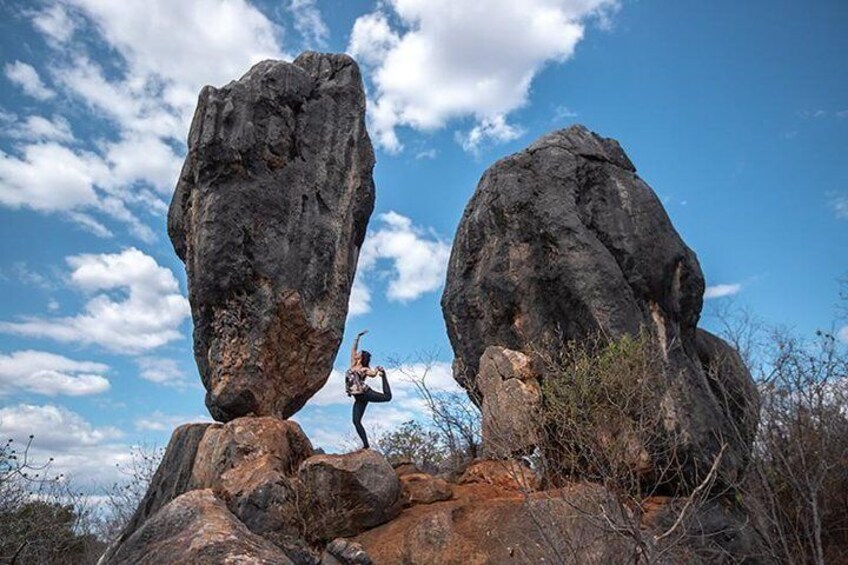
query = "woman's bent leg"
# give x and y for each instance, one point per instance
(385, 396)
(359, 405)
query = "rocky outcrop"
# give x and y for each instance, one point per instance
(506, 474)
(510, 399)
(268, 215)
(485, 527)
(360, 489)
(421, 488)
(196, 529)
(562, 241)
(173, 477)
(248, 463)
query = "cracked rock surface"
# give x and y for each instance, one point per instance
(269, 214)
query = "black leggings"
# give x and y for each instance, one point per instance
(361, 402)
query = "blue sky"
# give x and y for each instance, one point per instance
(736, 113)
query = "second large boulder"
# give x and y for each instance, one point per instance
(563, 242)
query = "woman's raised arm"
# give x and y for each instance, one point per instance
(355, 348)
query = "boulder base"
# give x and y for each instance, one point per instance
(358, 490)
(196, 529)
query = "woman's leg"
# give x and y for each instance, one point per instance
(385, 396)
(359, 405)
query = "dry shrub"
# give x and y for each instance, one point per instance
(601, 414)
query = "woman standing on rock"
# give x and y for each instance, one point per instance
(362, 393)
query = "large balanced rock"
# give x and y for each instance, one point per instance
(563, 241)
(196, 529)
(354, 492)
(269, 215)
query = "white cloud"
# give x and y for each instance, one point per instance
(495, 129)
(418, 258)
(161, 371)
(444, 59)
(55, 23)
(27, 78)
(721, 290)
(146, 317)
(843, 334)
(160, 422)
(308, 22)
(563, 113)
(165, 52)
(49, 177)
(839, 204)
(50, 374)
(427, 154)
(39, 128)
(360, 298)
(80, 450)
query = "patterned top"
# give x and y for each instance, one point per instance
(355, 382)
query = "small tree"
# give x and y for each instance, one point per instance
(455, 418)
(123, 498)
(412, 441)
(42, 519)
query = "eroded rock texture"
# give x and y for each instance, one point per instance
(196, 529)
(510, 400)
(360, 490)
(563, 240)
(268, 215)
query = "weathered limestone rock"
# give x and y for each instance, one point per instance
(714, 531)
(342, 551)
(421, 488)
(248, 462)
(268, 215)
(360, 489)
(562, 241)
(506, 474)
(195, 529)
(172, 478)
(511, 397)
(550, 527)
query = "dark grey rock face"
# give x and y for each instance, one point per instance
(563, 240)
(268, 215)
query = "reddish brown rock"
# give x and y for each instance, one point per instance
(507, 474)
(481, 526)
(421, 488)
(248, 462)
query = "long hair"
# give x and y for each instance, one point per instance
(365, 358)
